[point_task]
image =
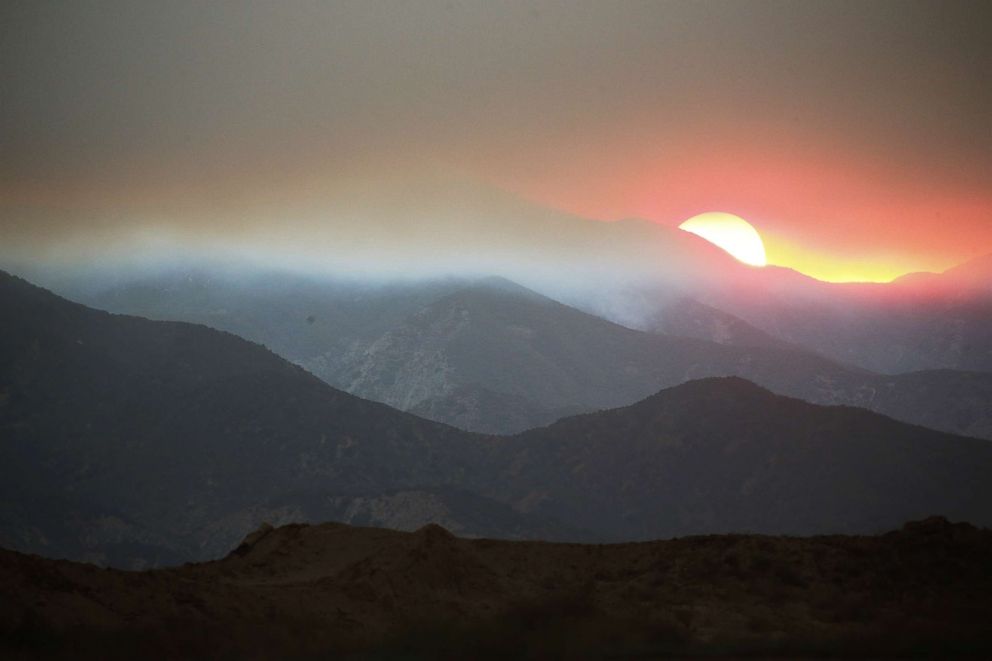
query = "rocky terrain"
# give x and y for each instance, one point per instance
(332, 590)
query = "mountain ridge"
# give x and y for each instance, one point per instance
(719, 451)
(546, 358)
(134, 442)
(357, 338)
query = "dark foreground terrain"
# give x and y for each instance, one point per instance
(332, 590)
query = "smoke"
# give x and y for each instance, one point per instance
(232, 123)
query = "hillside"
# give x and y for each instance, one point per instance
(133, 443)
(127, 440)
(495, 357)
(726, 455)
(686, 317)
(298, 317)
(918, 322)
(332, 590)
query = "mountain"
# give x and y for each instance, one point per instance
(465, 513)
(724, 454)
(397, 342)
(948, 400)
(970, 279)
(627, 271)
(133, 442)
(495, 357)
(450, 226)
(686, 317)
(918, 322)
(300, 318)
(128, 440)
(333, 591)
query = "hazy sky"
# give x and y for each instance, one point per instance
(857, 136)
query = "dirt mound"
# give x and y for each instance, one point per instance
(251, 539)
(302, 591)
(937, 527)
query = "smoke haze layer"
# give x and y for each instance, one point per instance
(854, 136)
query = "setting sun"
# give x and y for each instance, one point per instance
(732, 233)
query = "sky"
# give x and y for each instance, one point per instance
(855, 136)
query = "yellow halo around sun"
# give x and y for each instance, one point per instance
(732, 233)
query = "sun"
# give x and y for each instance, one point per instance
(732, 233)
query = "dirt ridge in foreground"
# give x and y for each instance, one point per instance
(311, 591)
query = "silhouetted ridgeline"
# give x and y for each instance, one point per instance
(322, 591)
(134, 441)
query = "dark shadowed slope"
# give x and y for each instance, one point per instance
(492, 356)
(724, 454)
(131, 441)
(122, 435)
(324, 591)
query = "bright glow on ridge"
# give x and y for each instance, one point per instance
(732, 233)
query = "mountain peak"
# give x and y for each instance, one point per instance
(433, 532)
(501, 284)
(727, 385)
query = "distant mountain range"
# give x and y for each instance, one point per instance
(494, 357)
(629, 271)
(132, 442)
(919, 322)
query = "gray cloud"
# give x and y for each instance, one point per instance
(227, 117)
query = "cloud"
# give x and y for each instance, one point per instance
(243, 121)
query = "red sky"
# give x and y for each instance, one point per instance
(855, 136)
(836, 213)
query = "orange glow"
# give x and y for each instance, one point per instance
(836, 267)
(834, 211)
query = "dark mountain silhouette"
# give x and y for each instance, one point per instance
(177, 436)
(128, 441)
(724, 454)
(333, 591)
